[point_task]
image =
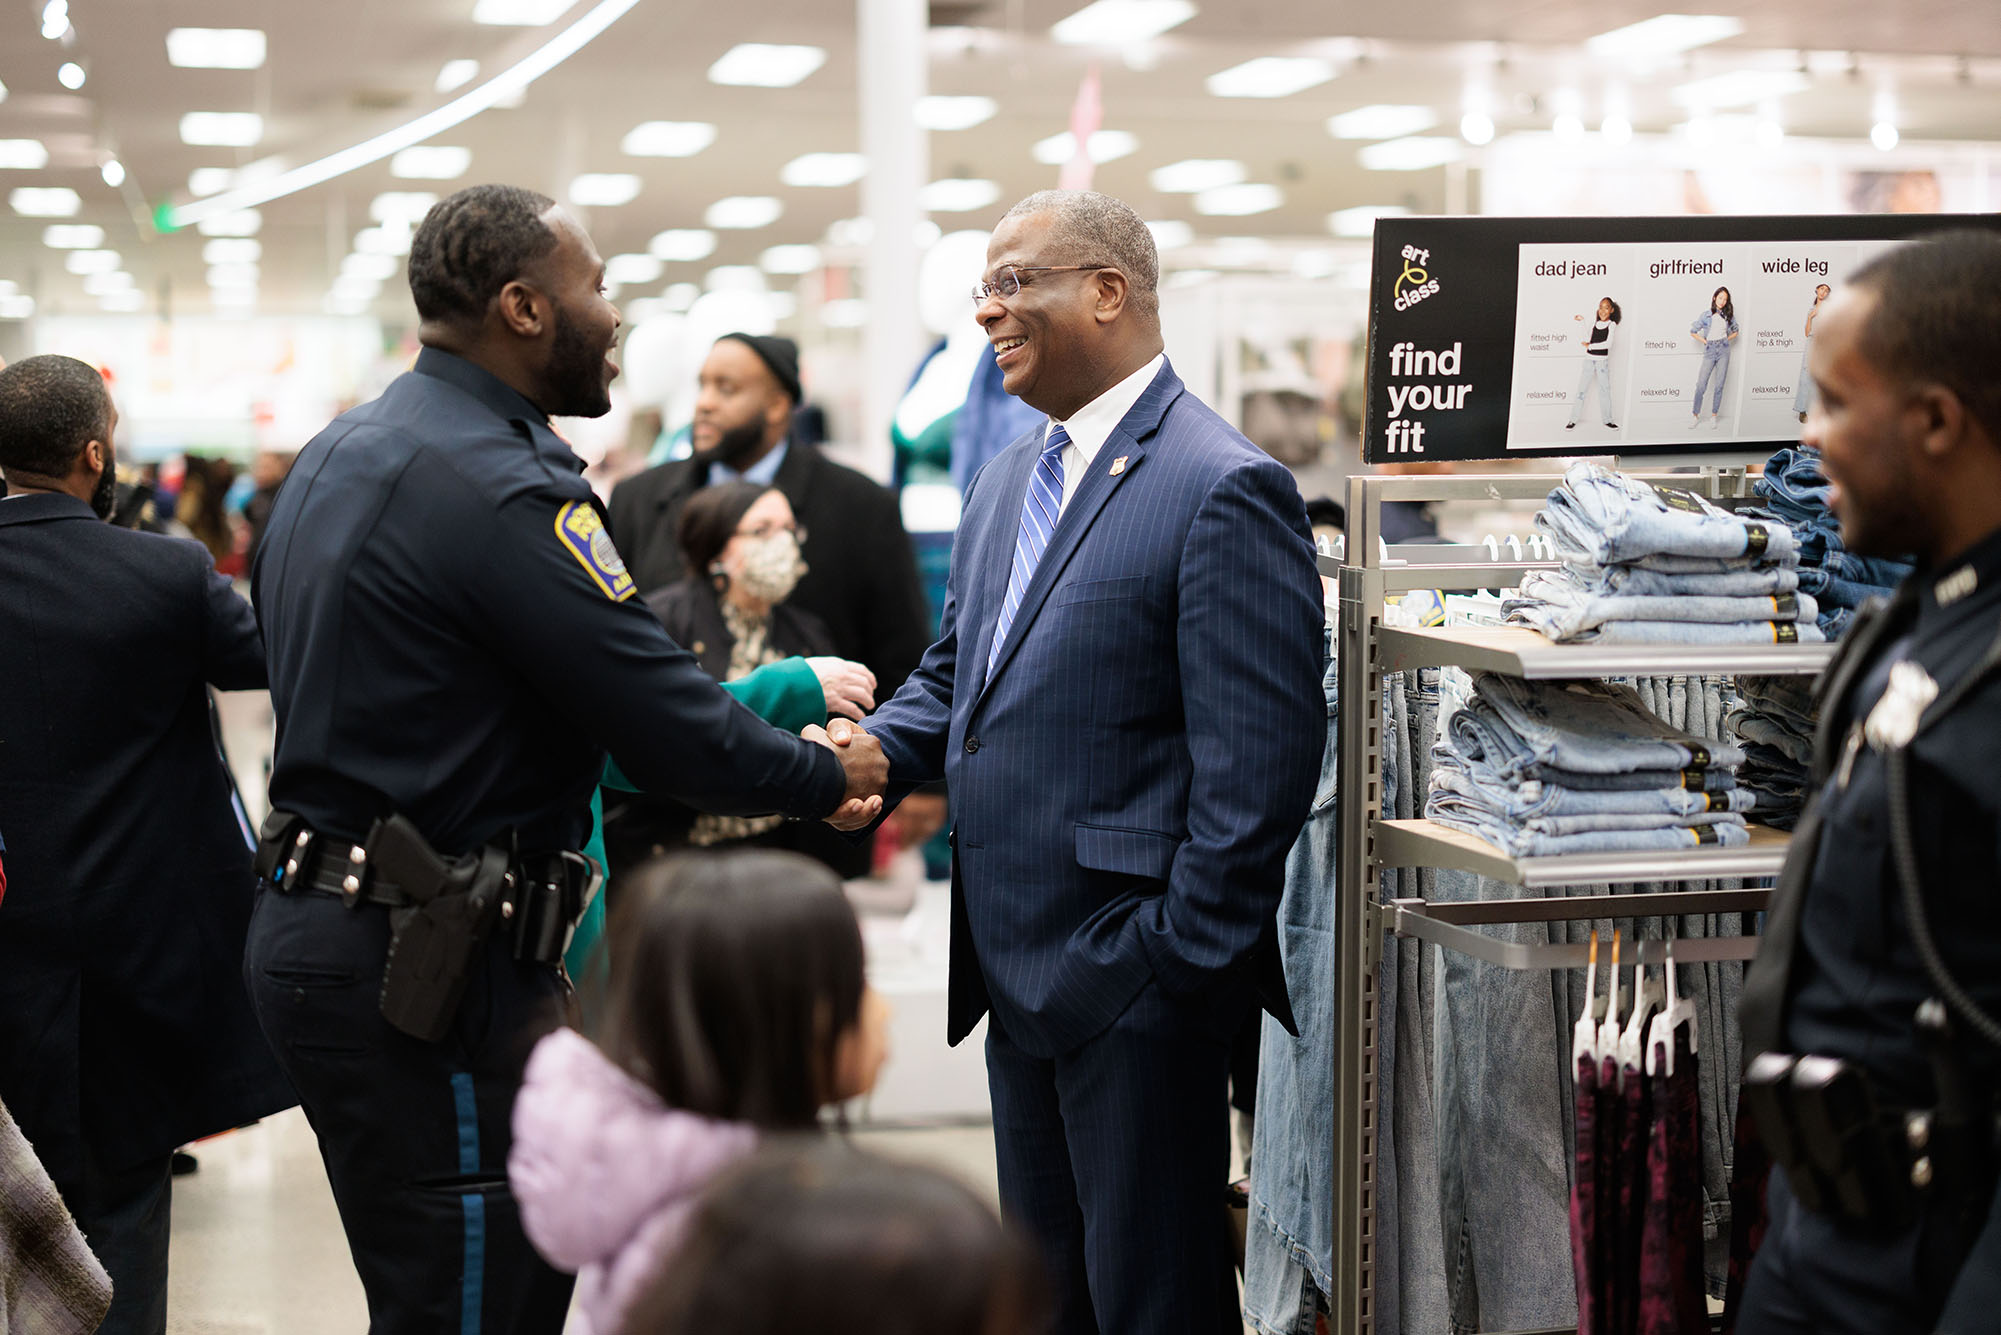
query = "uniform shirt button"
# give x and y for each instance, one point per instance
(972, 745)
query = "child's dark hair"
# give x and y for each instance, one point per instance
(736, 974)
(873, 1246)
(1615, 315)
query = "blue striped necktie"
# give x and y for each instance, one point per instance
(1039, 510)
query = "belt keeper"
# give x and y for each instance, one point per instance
(299, 847)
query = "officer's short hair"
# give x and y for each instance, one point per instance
(50, 408)
(1090, 228)
(1935, 319)
(472, 244)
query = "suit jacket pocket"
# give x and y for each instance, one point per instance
(1095, 590)
(1147, 853)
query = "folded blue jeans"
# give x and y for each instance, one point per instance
(1728, 831)
(1591, 726)
(1638, 582)
(1702, 632)
(1599, 517)
(1558, 605)
(1533, 799)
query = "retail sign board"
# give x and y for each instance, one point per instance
(1501, 338)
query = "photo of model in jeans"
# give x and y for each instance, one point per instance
(1716, 330)
(1597, 363)
(1803, 395)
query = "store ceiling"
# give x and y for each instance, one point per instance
(338, 73)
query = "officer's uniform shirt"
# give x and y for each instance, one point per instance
(1856, 976)
(452, 635)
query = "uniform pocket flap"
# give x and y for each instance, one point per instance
(1132, 852)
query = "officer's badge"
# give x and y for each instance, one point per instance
(582, 532)
(1894, 720)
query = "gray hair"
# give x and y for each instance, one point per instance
(1094, 228)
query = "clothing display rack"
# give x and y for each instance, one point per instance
(1367, 843)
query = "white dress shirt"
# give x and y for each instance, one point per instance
(1091, 425)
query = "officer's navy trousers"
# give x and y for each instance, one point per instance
(414, 1135)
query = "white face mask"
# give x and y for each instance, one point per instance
(771, 567)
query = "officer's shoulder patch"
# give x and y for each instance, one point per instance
(582, 532)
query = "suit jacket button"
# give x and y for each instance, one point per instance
(972, 745)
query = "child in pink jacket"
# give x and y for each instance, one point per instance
(739, 1008)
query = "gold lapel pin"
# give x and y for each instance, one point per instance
(1119, 464)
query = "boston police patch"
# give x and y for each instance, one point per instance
(583, 533)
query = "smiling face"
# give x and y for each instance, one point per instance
(1720, 300)
(1869, 431)
(1046, 337)
(1605, 308)
(1820, 294)
(578, 372)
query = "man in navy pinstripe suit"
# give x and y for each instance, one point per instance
(1126, 698)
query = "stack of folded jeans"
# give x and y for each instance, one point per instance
(1654, 565)
(1540, 769)
(1774, 723)
(1795, 492)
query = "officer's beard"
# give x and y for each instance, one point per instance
(575, 373)
(104, 499)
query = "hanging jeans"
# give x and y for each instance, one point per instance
(1715, 369)
(1600, 369)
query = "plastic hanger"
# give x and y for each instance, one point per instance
(1649, 996)
(1608, 1033)
(1514, 545)
(1677, 1012)
(1584, 1035)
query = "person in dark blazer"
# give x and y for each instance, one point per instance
(1125, 698)
(733, 612)
(125, 1029)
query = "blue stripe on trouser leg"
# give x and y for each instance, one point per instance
(472, 1202)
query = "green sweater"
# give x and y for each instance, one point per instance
(785, 694)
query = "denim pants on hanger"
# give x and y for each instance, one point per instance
(1597, 368)
(1715, 370)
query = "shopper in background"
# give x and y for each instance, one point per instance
(1126, 700)
(124, 1028)
(739, 1010)
(1908, 765)
(822, 1237)
(267, 471)
(454, 641)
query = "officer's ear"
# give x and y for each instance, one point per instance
(523, 310)
(1941, 418)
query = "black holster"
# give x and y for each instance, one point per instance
(435, 941)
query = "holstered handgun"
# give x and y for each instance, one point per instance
(435, 941)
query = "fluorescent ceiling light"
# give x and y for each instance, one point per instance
(520, 13)
(1739, 88)
(431, 162)
(1316, 264)
(402, 207)
(222, 129)
(1617, 130)
(1361, 221)
(1884, 136)
(824, 169)
(378, 268)
(8, 287)
(758, 65)
(743, 212)
(641, 309)
(92, 261)
(99, 284)
(1477, 127)
(632, 267)
(1568, 128)
(215, 48)
(1270, 76)
(1105, 146)
(680, 296)
(23, 154)
(383, 239)
(356, 287)
(1192, 174)
(667, 139)
(954, 113)
(232, 250)
(1121, 22)
(603, 189)
(1411, 154)
(509, 83)
(72, 236)
(1238, 201)
(55, 19)
(455, 74)
(958, 195)
(735, 278)
(71, 75)
(1381, 121)
(1665, 34)
(210, 180)
(237, 222)
(792, 259)
(235, 300)
(232, 275)
(125, 299)
(782, 305)
(16, 307)
(45, 201)
(336, 304)
(844, 313)
(682, 245)
(1170, 234)
(113, 172)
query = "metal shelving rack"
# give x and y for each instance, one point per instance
(1367, 843)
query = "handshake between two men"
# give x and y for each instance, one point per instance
(865, 765)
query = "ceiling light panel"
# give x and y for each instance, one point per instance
(431, 162)
(1121, 22)
(1416, 153)
(45, 201)
(378, 268)
(680, 296)
(1361, 221)
(603, 189)
(455, 74)
(1665, 34)
(632, 267)
(215, 48)
(1105, 146)
(792, 259)
(102, 284)
(520, 13)
(72, 236)
(758, 65)
(14, 306)
(210, 181)
(1170, 234)
(232, 275)
(954, 113)
(1192, 174)
(23, 154)
(667, 139)
(958, 195)
(824, 169)
(71, 75)
(1381, 121)
(1739, 88)
(682, 245)
(401, 206)
(222, 129)
(124, 300)
(232, 250)
(237, 222)
(744, 212)
(112, 172)
(383, 239)
(92, 261)
(1270, 76)
(1238, 201)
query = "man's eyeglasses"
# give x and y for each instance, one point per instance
(1007, 282)
(766, 530)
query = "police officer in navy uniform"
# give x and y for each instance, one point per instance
(454, 647)
(1883, 1205)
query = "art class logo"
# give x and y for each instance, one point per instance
(1415, 283)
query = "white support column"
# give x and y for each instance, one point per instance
(891, 75)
